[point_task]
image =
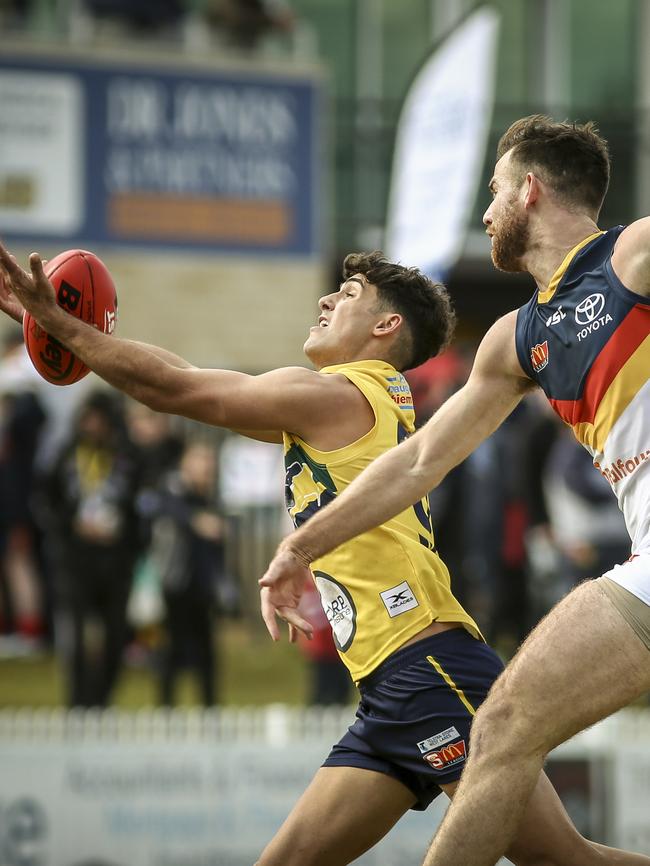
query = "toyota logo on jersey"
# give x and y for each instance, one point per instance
(589, 309)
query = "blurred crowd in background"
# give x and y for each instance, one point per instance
(112, 535)
(126, 536)
(238, 24)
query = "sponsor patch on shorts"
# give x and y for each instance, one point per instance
(447, 756)
(440, 739)
(398, 599)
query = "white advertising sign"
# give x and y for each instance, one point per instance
(440, 147)
(144, 804)
(172, 788)
(41, 146)
(631, 800)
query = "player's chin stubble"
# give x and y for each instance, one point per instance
(510, 243)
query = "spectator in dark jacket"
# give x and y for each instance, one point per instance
(93, 529)
(188, 553)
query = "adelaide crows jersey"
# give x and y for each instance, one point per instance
(586, 342)
(383, 587)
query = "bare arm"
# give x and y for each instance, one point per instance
(408, 472)
(10, 305)
(164, 354)
(293, 399)
(631, 257)
(274, 437)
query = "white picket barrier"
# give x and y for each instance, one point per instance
(209, 788)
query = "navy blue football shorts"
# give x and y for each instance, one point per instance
(416, 710)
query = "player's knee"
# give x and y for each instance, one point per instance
(502, 726)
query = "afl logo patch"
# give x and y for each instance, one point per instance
(539, 356)
(339, 609)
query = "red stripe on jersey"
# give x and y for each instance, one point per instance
(613, 356)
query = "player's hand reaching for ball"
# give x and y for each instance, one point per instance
(282, 588)
(33, 290)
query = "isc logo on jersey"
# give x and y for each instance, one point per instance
(447, 756)
(556, 317)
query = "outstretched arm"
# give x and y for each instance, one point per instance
(409, 471)
(293, 399)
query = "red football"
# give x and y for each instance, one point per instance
(85, 289)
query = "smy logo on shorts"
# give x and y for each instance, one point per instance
(398, 599)
(448, 756)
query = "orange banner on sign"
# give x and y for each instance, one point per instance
(155, 217)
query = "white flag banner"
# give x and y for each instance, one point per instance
(440, 146)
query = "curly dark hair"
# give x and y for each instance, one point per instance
(424, 304)
(573, 158)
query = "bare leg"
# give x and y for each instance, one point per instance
(343, 813)
(546, 835)
(580, 664)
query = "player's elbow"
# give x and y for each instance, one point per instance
(423, 480)
(426, 469)
(191, 403)
(155, 399)
(166, 394)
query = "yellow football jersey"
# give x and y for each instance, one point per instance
(383, 587)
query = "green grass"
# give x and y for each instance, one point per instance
(254, 671)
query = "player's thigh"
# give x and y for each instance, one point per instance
(582, 662)
(343, 812)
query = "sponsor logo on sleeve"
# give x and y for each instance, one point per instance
(539, 356)
(438, 740)
(400, 391)
(448, 756)
(398, 599)
(621, 467)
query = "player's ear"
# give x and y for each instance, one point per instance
(388, 324)
(533, 188)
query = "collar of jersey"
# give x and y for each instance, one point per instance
(545, 296)
(369, 363)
